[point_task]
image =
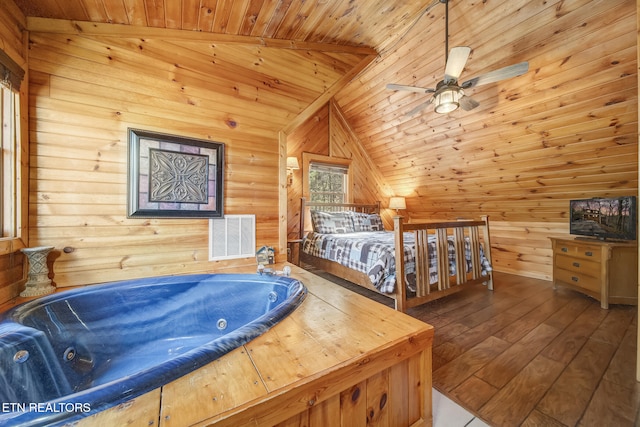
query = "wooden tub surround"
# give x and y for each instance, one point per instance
(340, 359)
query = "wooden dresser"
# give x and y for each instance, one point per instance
(606, 271)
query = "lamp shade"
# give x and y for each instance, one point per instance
(292, 163)
(447, 101)
(397, 203)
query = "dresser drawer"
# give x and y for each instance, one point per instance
(577, 279)
(579, 265)
(606, 271)
(590, 252)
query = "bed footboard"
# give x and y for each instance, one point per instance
(465, 236)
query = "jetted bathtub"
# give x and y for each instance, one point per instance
(68, 355)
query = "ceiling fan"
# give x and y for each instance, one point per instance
(448, 94)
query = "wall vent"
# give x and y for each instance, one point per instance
(233, 236)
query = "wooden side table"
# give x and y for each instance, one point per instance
(293, 251)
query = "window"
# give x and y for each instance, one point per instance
(328, 183)
(12, 176)
(9, 160)
(326, 179)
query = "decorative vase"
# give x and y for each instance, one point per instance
(38, 282)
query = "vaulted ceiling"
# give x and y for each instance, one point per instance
(343, 22)
(567, 128)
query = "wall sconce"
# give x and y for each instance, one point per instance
(292, 164)
(397, 203)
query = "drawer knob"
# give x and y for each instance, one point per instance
(564, 250)
(576, 264)
(574, 278)
(589, 253)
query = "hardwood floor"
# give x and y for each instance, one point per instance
(529, 355)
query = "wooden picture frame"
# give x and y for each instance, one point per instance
(174, 177)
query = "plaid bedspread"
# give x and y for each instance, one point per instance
(373, 253)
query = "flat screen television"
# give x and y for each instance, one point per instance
(604, 218)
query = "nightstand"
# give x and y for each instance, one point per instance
(293, 251)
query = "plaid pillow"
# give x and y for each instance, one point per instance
(367, 222)
(331, 222)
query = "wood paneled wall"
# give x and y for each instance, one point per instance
(369, 185)
(310, 137)
(327, 133)
(13, 42)
(88, 87)
(566, 129)
(12, 26)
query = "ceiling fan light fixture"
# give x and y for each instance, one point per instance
(447, 101)
(448, 94)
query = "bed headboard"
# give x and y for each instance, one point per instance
(306, 207)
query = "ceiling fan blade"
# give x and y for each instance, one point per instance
(497, 75)
(467, 103)
(455, 63)
(419, 108)
(393, 86)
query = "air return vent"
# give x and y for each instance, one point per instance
(233, 236)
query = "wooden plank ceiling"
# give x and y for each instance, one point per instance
(341, 22)
(290, 55)
(566, 129)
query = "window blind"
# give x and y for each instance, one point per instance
(327, 168)
(11, 74)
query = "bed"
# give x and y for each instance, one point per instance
(436, 258)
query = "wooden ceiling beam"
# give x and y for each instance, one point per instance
(62, 26)
(328, 94)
